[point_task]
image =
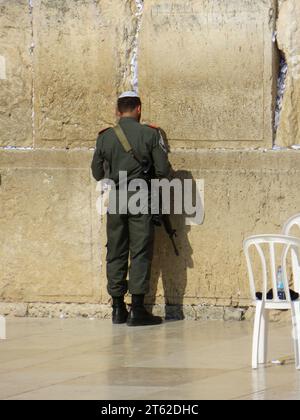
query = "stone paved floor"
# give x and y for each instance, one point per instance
(89, 359)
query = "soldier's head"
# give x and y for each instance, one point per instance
(129, 105)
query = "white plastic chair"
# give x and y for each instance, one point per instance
(293, 221)
(287, 228)
(266, 246)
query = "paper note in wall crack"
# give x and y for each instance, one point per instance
(2, 68)
(2, 328)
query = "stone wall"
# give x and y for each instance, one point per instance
(207, 73)
(16, 74)
(288, 27)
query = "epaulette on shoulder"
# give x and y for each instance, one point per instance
(103, 131)
(152, 126)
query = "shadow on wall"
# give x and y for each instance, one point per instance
(167, 267)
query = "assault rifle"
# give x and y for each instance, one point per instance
(164, 219)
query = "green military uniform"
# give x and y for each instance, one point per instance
(127, 233)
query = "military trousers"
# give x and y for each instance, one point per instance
(129, 252)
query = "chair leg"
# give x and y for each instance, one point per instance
(256, 334)
(263, 338)
(296, 331)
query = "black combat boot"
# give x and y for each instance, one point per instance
(120, 313)
(138, 315)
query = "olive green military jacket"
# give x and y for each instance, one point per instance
(146, 141)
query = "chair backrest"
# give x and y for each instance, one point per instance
(267, 247)
(293, 221)
(287, 230)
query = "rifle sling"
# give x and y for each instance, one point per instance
(125, 143)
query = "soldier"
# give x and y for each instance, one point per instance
(128, 234)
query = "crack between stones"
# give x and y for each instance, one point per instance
(31, 51)
(281, 88)
(139, 4)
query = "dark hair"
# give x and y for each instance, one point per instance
(128, 104)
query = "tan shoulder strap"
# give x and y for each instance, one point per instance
(126, 145)
(123, 139)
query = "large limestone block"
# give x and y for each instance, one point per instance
(288, 28)
(82, 60)
(53, 245)
(245, 194)
(15, 73)
(206, 71)
(50, 249)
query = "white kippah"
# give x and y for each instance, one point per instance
(129, 94)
